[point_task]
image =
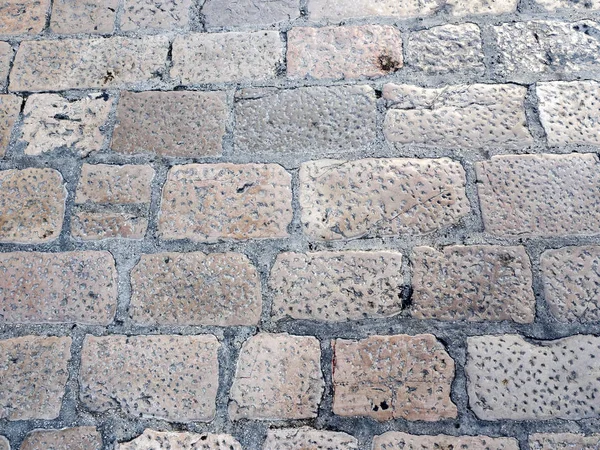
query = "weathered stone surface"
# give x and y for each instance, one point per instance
(343, 52)
(208, 202)
(195, 289)
(65, 287)
(528, 51)
(474, 282)
(510, 378)
(10, 106)
(380, 197)
(472, 116)
(33, 375)
(587, 5)
(337, 286)
(389, 377)
(83, 16)
(158, 440)
(309, 439)
(278, 376)
(88, 63)
(78, 438)
(393, 440)
(227, 13)
(6, 55)
(150, 14)
(167, 377)
(103, 183)
(4, 445)
(89, 226)
(189, 124)
(446, 49)
(23, 16)
(564, 441)
(32, 205)
(226, 57)
(51, 122)
(540, 195)
(320, 119)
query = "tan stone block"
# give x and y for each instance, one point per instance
(548, 441)
(10, 106)
(6, 55)
(396, 440)
(23, 16)
(78, 438)
(103, 183)
(227, 13)
(309, 439)
(150, 14)
(83, 16)
(157, 440)
(89, 226)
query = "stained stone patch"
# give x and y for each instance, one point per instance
(161, 440)
(309, 439)
(78, 438)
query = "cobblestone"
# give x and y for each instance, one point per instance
(23, 16)
(308, 438)
(157, 440)
(393, 440)
(79, 438)
(87, 16)
(6, 55)
(227, 13)
(9, 111)
(148, 14)
(563, 440)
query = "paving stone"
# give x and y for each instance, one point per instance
(208, 202)
(564, 441)
(6, 55)
(10, 106)
(173, 378)
(528, 51)
(447, 49)
(103, 183)
(309, 439)
(83, 16)
(395, 440)
(33, 375)
(461, 116)
(343, 52)
(157, 440)
(585, 5)
(511, 378)
(150, 14)
(390, 377)
(89, 226)
(474, 283)
(226, 57)
(65, 287)
(195, 289)
(320, 119)
(337, 286)
(79, 438)
(32, 205)
(23, 16)
(539, 195)
(51, 122)
(186, 124)
(227, 13)
(88, 63)
(572, 283)
(277, 377)
(380, 197)
(4, 445)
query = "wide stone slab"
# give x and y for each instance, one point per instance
(395, 440)
(168, 440)
(309, 439)
(78, 438)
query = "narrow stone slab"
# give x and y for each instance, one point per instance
(543, 441)
(88, 16)
(152, 15)
(79, 438)
(160, 440)
(23, 16)
(396, 440)
(225, 13)
(10, 106)
(6, 55)
(308, 438)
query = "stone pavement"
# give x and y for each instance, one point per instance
(299, 224)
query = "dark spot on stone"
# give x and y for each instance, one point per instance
(406, 296)
(384, 405)
(388, 64)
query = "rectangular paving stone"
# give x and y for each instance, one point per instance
(343, 52)
(549, 441)
(83, 16)
(396, 440)
(33, 376)
(208, 202)
(174, 378)
(10, 106)
(319, 119)
(185, 124)
(226, 57)
(539, 195)
(90, 226)
(104, 183)
(308, 438)
(509, 378)
(78, 438)
(583, 5)
(472, 282)
(391, 377)
(23, 16)
(461, 116)
(71, 287)
(4, 444)
(153, 15)
(116, 62)
(6, 55)
(337, 286)
(167, 440)
(220, 289)
(380, 197)
(225, 13)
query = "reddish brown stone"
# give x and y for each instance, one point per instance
(23, 16)
(79, 438)
(83, 16)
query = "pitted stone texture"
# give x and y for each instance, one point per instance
(160, 440)
(227, 13)
(474, 283)
(68, 287)
(195, 289)
(226, 57)
(564, 441)
(208, 202)
(277, 377)
(186, 124)
(89, 226)
(571, 279)
(10, 106)
(32, 205)
(23, 16)
(343, 52)
(380, 197)
(308, 439)
(6, 54)
(88, 63)
(33, 375)
(472, 116)
(390, 377)
(78, 438)
(51, 122)
(540, 195)
(510, 378)
(103, 183)
(568, 111)
(586, 5)
(4, 445)
(447, 49)
(173, 378)
(393, 440)
(337, 286)
(528, 51)
(151, 14)
(83, 16)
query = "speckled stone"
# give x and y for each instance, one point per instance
(307, 438)
(10, 106)
(227, 13)
(4, 445)
(155, 15)
(23, 16)
(6, 55)
(91, 226)
(393, 440)
(78, 438)
(103, 183)
(83, 16)
(584, 5)
(159, 440)
(564, 441)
